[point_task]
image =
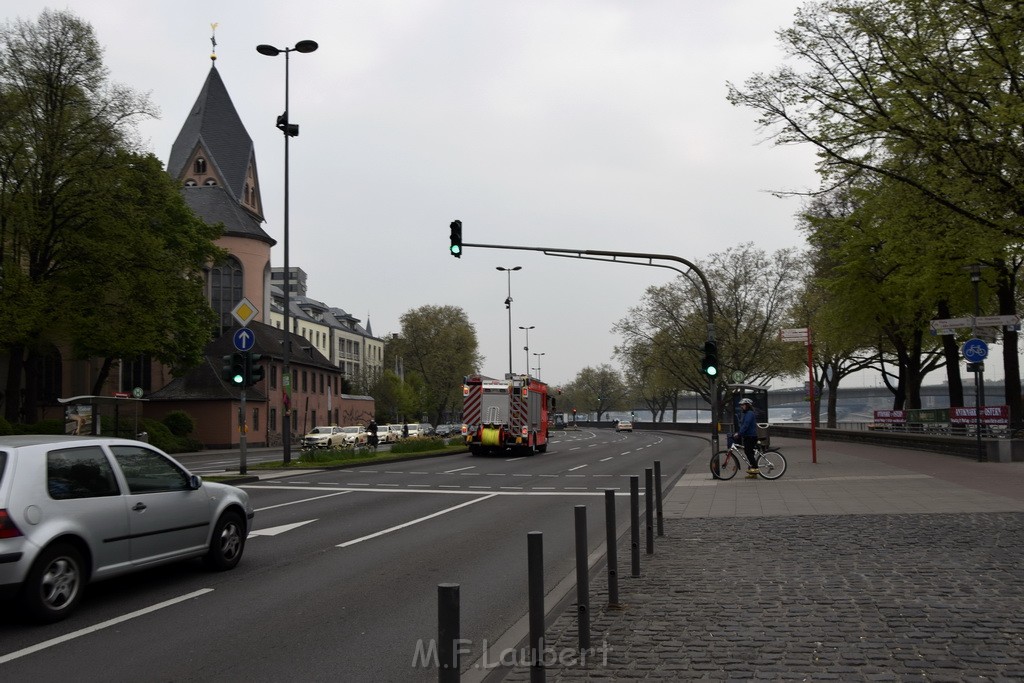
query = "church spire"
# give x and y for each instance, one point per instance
(213, 41)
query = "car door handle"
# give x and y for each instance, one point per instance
(139, 507)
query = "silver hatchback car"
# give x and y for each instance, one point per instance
(75, 509)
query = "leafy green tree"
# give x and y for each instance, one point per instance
(597, 390)
(890, 262)
(438, 348)
(142, 275)
(922, 93)
(647, 381)
(752, 292)
(91, 234)
(926, 93)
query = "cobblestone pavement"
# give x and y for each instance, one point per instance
(850, 597)
(930, 595)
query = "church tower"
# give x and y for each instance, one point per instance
(214, 159)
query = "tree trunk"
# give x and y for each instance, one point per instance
(952, 354)
(12, 394)
(1011, 361)
(101, 378)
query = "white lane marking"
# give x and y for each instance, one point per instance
(275, 530)
(578, 467)
(460, 469)
(575, 448)
(606, 459)
(522, 475)
(457, 491)
(304, 500)
(100, 626)
(415, 521)
(514, 459)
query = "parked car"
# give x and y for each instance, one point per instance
(389, 433)
(446, 430)
(623, 426)
(413, 430)
(324, 437)
(75, 509)
(356, 434)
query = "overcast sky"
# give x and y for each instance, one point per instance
(590, 124)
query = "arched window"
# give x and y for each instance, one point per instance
(225, 290)
(210, 182)
(191, 183)
(200, 165)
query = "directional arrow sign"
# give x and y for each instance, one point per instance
(244, 339)
(951, 323)
(275, 530)
(996, 320)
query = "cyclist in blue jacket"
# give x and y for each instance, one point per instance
(747, 434)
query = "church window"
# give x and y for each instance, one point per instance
(225, 290)
(200, 165)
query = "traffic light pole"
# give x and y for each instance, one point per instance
(615, 257)
(242, 435)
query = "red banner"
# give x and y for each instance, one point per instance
(990, 415)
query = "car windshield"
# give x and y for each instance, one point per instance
(321, 430)
(350, 430)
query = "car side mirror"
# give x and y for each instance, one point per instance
(194, 482)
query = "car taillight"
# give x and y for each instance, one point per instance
(7, 528)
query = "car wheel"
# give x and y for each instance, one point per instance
(54, 585)
(227, 542)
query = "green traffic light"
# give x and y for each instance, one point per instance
(456, 250)
(237, 379)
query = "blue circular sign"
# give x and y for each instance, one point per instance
(244, 339)
(974, 350)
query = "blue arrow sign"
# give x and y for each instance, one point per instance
(244, 339)
(974, 350)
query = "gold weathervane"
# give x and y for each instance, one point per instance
(213, 41)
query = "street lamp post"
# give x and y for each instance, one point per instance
(527, 347)
(290, 130)
(508, 305)
(538, 363)
(979, 372)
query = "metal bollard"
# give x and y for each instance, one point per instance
(612, 550)
(535, 570)
(649, 508)
(582, 578)
(448, 632)
(634, 523)
(657, 497)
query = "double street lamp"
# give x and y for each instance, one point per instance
(508, 305)
(527, 347)
(290, 130)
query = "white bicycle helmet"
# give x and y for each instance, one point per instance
(746, 402)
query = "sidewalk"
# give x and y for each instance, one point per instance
(872, 564)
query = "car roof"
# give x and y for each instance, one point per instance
(12, 441)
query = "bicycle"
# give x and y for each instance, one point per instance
(770, 461)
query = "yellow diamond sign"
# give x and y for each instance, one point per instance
(244, 312)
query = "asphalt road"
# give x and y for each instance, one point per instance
(339, 578)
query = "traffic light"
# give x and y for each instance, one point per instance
(456, 247)
(254, 372)
(227, 367)
(710, 363)
(289, 129)
(235, 368)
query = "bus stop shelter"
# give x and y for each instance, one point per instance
(82, 415)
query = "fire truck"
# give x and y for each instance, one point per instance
(501, 415)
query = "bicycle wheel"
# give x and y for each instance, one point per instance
(724, 465)
(772, 464)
